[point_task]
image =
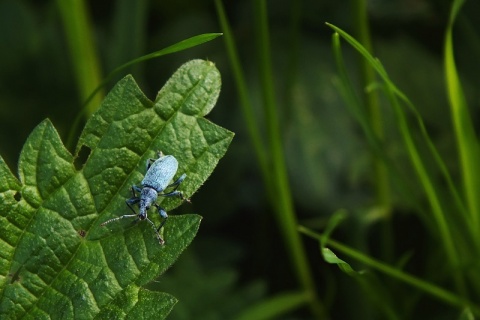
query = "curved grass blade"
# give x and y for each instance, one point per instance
(179, 46)
(467, 141)
(425, 286)
(439, 214)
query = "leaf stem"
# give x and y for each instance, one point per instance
(271, 159)
(371, 99)
(283, 203)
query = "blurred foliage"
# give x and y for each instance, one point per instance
(239, 255)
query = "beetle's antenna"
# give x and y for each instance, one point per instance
(159, 237)
(118, 218)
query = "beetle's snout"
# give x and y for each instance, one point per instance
(142, 215)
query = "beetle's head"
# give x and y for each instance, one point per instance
(148, 196)
(142, 214)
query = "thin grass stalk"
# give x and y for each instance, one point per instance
(353, 103)
(247, 108)
(129, 32)
(285, 212)
(382, 186)
(357, 109)
(292, 60)
(427, 287)
(444, 230)
(381, 180)
(438, 159)
(467, 142)
(355, 106)
(241, 84)
(438, 213)
(78, 32)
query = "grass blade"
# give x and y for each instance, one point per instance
(418, 283)
(270, 155)
(286, 216)
(394, 94)
(78, 33)
(179, 46)
(241, 84)
(466, 139)
(382, 186)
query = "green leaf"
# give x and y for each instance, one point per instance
(327, 254)
(56, 261)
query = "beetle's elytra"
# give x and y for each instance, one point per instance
(159, 173)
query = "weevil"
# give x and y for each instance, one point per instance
(156, 181)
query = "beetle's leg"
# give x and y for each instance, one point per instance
(163, 214)
(175, 193)
(172, 194)
(131, 201)
(137, 189)
(177, 182)
(149, 163)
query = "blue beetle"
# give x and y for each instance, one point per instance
(159, 173)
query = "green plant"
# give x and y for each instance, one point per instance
(56, 260)
(271, 160)
(452, 213)
(176, 47)
(424, 185)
